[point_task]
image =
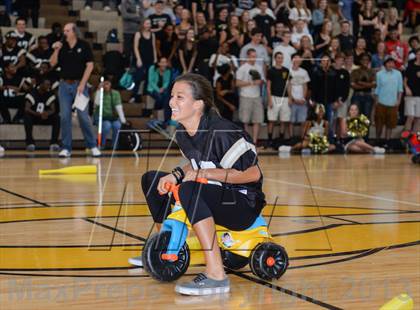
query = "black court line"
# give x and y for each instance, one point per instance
(331, 226)
(363, 254)
(340, 219)
(83, 275)
(25, 197)
(285, 291)
(116, 230)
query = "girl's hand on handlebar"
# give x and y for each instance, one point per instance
(163, 180)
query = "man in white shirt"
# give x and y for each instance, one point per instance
(298, 33)
(297, 89)
(255, 44)
(286, 49)
(249, 79)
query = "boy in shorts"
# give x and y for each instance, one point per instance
(249, 79)
(298, 90)
(278, 105)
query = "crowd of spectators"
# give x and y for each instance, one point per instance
(270, 62)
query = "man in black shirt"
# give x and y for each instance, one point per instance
(324, 90)
(75, 59)
(25, 39)
(40, 109)
(13, 87)
(278, 104)
(159, 19)
(412, 91)
(264, 21)
(345, 38)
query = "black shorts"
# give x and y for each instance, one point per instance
(228, 207)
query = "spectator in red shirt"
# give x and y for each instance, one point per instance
(397, 49)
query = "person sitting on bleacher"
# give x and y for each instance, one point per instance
(25, 39)
(13, 88)
(40, 54)
(45, 72)
(106, 4)
(112, 113)
(12, 53)
(40, 109)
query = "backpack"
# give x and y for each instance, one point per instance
(129, 141)
(127, 81)
(112, 36)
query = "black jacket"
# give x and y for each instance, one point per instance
(324, 86)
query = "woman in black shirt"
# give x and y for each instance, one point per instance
(219, 151)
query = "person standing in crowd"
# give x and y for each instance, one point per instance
(286, 49)
(264, 21)
(256, 44)
(342, 93)
(368, 19)
(145, 54)
(359, 50)
(187, 53)
(388, 93)
(324, 90)
(300, 12)
(249, 79)
(40, 109)
(379, 56)
(75, 59)
(132, 16)
(159, 18)
(222, 57)
(112, 114)
(412, 91)
(167, 44)
(226, 97)
(233, 36)
(397, 49)
(362, 82)
(298, 92)
(414, 44)
(278, 102)
(345, 37)
(298, 33)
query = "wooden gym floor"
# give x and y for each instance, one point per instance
(350, 224)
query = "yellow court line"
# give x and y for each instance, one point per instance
(45, 213)
(343, 239)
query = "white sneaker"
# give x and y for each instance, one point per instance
(136, 261)
(95, 152)
(285, 148)
(64, 153)
(1, 149)
(107, 8)
(88, 8)
(378, 150)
